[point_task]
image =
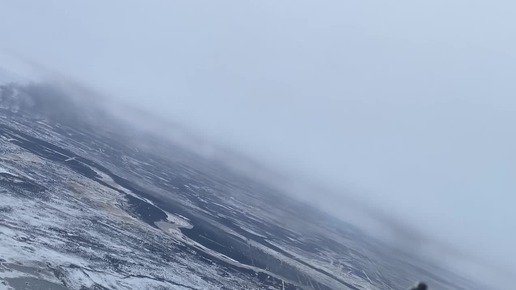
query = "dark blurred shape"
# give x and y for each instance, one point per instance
(419, 286)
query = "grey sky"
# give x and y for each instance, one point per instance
(408, 103)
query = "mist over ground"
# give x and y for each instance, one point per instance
(404, 108)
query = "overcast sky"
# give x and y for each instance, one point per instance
(410, 104)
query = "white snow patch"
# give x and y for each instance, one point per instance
(179, 221)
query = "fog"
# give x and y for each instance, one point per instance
(404, 107)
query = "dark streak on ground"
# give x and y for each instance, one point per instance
(205, 234)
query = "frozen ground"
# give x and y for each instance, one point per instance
(88, 204)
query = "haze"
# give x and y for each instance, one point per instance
(407, 105)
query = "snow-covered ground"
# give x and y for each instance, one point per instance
(88, 208)
(82, 233)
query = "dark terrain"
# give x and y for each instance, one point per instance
(88, 202)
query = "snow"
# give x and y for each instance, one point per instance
(53, 231)
(179, 221)
(83, 226)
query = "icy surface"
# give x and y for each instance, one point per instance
(88, 205)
